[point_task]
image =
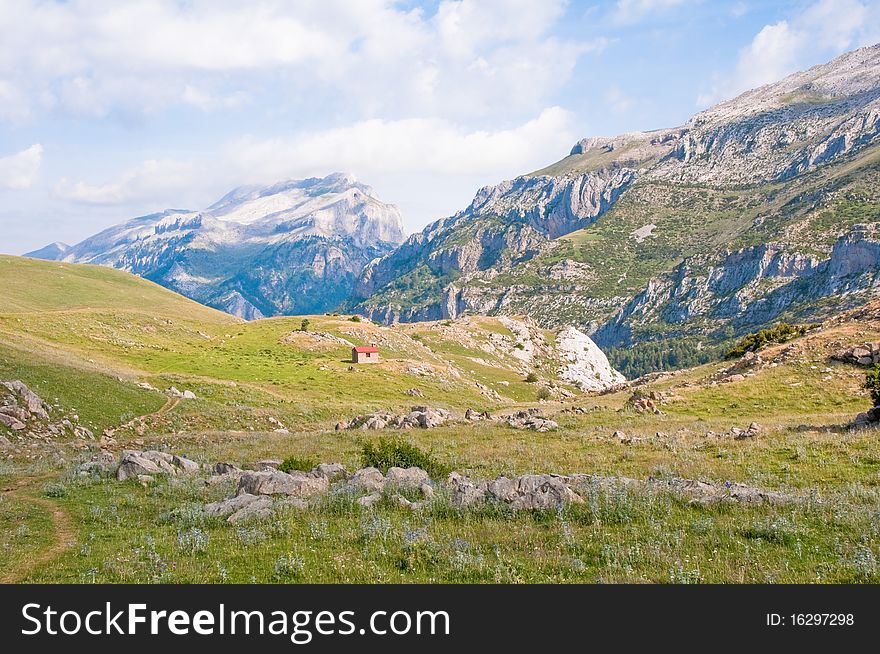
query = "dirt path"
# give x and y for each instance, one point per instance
(169, 405)
(26, 490)
(30, 489)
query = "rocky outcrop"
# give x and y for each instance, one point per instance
(780, 130)
(866, 354)
(420, 416)
(585, 365)
(29, 417)
(531, 419)
(505, 225)
(146, 465)
(749, 288)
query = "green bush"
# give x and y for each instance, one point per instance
(355, 319)
(520, 346)
(532, 377)
(302, 463)
(304, 325)
(392, 452)
(872, 384)
(779, 334)
(544, 393)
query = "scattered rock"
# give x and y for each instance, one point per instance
(267, 464)
(420, 416)
(186, 465)
(531, 419)
(330, 471)
(533, 492)
(134, 464)
(465, 493)
(406, 477)
(866, 354)
(475, 416)
(367, 480)
(273, 482)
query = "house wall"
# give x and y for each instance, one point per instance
(365, 357)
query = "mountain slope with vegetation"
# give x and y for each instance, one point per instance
(661, 240)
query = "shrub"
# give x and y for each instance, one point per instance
(304, 325)
(872, 384)
(520, 346)
(395, 452)
(302, 463)
(544, 393)
(779, 334)
(355, 319)
(532, 377)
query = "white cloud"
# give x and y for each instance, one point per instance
(823, 30)
(148, 182)
(419, 145)
(142, 56)
(431, 167)
(20, 170)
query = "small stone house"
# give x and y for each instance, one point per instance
(365, 354)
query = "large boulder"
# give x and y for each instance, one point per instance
(134, 464)
(533, 492)
(410, 478)
(330, 471)
(465, 493)
(369, 480)
(184, 464)
(273, 482)
(32, 402)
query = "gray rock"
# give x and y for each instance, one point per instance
(133, 464)
(330, 471)
(369, 480)
(406, 477)
(465, 493)
(232, 504)
(33, 402)
(11, 422)
(267, 464)
(186, 465)
(225, 468)
(273, 482)
(533, 492)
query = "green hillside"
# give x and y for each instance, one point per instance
(29, 285)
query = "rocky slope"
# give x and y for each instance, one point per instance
(759, 209)
(291, 248)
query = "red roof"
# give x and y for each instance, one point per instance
(364, 348)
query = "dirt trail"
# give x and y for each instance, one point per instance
(169, 405)
(30, 489)
(26, 490)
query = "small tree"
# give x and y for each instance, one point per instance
(872, 384)
(304, 325)
(532, 377)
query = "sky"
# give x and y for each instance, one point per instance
(111, 110)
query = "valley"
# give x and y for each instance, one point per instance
(115, 351)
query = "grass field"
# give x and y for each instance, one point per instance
(87, 337)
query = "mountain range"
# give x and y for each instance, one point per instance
(665, 245)
(294, 247)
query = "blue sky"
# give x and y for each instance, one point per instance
(110, 110)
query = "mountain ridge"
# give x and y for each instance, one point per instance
(791, 165)
(296, 246)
